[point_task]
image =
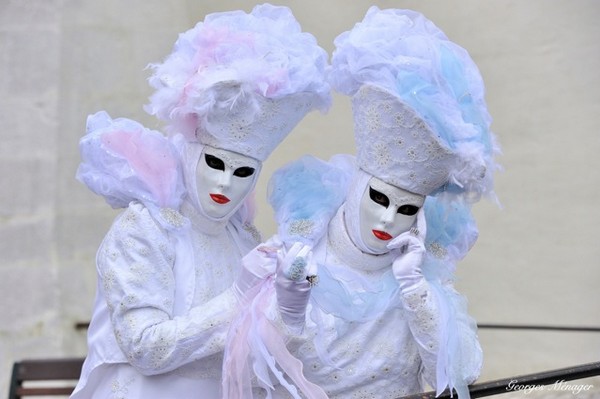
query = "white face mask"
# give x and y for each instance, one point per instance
(224, 179)
(386, 212)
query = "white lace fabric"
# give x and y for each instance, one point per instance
(388, 355)
(396, 145)
(151, 319)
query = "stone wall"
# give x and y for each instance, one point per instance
(537, 258)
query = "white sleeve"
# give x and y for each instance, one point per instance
(446, 335)
(135, 265)
(423, 319)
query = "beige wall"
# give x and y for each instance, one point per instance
(537, 260)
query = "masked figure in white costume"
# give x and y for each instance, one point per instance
(381, 232)
(233, 88)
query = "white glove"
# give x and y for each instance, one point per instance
(257, 265)
(407, 266)
(292, 286)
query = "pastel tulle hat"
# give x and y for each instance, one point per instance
(241, 82)
(420, 118)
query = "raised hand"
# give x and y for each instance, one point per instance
(407, 266)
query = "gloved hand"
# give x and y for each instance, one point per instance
(407, 266)
(257, 265)
(291, 285)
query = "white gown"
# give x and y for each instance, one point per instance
(163, 306)
(351, 354)
(386, 357)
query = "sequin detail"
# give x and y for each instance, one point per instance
(296, 270)
(120, 389)
(172, 217)
(301, 227)
(437, 250)
(250, 228)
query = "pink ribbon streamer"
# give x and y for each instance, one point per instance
(254, 338)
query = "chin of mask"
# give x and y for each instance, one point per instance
(224, 179)
(386, 211)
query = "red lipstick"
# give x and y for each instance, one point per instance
(382, 235)
(219, 198)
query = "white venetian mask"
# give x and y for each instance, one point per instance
(386, 211)
(223, 180)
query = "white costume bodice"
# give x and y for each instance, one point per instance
(385, 356)
(363, 336)
(163, 306)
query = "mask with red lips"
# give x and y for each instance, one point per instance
(223, 180)
(385, 212)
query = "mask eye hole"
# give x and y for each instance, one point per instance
(408, 210)
(214, 162)
(378, 197)
(244, 171)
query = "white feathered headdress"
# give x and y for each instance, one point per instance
(421, 121)
(241, 82)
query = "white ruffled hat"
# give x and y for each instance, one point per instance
(241, 82)
(420, 118)
(395, 144)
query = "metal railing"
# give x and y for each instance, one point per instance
(536, 381)
(537, 327)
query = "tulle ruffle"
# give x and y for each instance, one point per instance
(264, 52)
(305, 194)
(451, 228)
(257, 346)
(123, 161)
(451, 232)
(459, 356)
(406, 54)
